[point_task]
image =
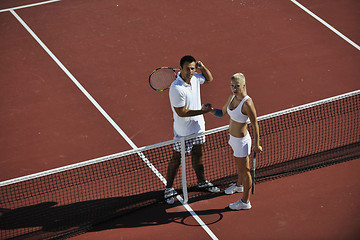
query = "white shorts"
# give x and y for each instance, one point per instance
(241, 146)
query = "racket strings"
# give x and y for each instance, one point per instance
(162, 78)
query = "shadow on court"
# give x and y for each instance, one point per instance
(158, 215)
(49, 220)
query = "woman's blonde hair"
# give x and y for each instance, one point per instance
(239, 77)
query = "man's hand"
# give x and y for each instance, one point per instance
(206, 108)
(204, 71)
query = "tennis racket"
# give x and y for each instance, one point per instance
(253, 174)
(161, 78)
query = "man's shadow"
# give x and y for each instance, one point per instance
(94, 215)
(162, 213)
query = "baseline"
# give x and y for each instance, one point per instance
(28, 5)
(327, 25)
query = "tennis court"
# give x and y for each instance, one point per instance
(74, 88)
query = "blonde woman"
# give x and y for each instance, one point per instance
(241, 110)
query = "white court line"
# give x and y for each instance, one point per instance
(327, 25)
(197, 218)
(76, 82)
(29, 5)
(92, 100)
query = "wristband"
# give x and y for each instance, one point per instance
(218, 113)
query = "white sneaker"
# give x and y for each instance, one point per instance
(240, 205)
(234, 189)
(168, 195)
(208, 186)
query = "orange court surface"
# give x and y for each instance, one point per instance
(74, 87)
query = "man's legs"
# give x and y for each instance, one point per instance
(198, 165)
(197, 162)
(173, 168)
(170, 176)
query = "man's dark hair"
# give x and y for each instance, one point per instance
(188, 59)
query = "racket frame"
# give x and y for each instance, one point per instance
(160, 90)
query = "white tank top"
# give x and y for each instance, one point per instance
(236, 114)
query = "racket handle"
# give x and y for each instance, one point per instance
(253, 175)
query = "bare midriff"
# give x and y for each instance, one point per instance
(237, 129)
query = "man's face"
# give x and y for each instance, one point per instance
(188, 70)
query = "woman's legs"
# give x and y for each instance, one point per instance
(244, 176)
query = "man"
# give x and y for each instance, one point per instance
(188, 117)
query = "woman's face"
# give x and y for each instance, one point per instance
(235, 86)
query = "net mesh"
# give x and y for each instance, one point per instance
(70, 200)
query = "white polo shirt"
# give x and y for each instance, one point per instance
(188, 95)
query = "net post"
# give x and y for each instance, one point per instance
(183, 170)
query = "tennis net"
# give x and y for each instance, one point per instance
(70, 200)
